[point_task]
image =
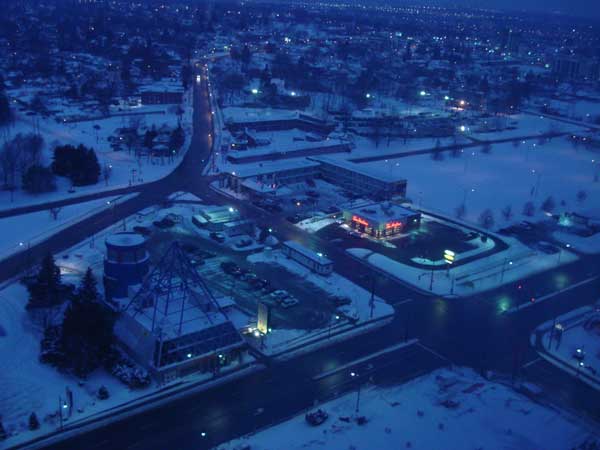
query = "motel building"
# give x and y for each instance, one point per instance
(382, 219)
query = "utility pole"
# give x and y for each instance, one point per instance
(431, 281)
(372, 300)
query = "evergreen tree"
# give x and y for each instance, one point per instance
(87, 331)
(45, 291)
(91, 168)
(549, 204)
(79, 164)
(177, 138)
(34, 423)
(3, 434)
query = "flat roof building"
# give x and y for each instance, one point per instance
(358, 180)
(315, 261)
(382, 219)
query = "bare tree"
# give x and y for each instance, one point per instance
(549, 204)
(106, 172)
(582, 196)
(486, 219)
(529, 209)
(54, 212)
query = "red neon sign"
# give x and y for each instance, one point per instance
(360, 221)
(393, 225)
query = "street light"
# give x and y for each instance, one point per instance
(355, 375)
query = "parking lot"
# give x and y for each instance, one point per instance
(312, 307)
(428, 242)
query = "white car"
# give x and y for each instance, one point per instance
(279, 294)
(288, 302)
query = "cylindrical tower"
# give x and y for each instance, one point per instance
(126, 263)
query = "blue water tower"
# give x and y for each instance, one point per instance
(126, 263)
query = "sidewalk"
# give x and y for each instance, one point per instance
(569, 342)
(167, 394)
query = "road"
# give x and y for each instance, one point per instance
(261, 399)
(475, 331)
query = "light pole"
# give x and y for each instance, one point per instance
(355, 375)
(504, 268)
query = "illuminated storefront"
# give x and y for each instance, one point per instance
(382, 219)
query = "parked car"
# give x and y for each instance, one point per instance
(547, 248)
(248, 276)
(279, 294)
(288, 302)
(217, 236)
(243, 243)
(258, 283)
(230, 268)
(316, 418)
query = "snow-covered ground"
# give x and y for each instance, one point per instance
(333, 284)
(507, 176)
(525, 125)
(125, 168)
(17, 233)
(449, 408)
(571, 343)
(584, 244)
(515, 263)
(29, 386)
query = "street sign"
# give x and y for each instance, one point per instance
(263, 318)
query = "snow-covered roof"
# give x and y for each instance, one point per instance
(268, 167)
(382, 212)
(125, 239)
(314, 256)
(360, 169)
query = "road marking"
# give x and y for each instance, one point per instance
(518, 308)
(531, 363)
(364, 359)
(433, 352)
(403, 302)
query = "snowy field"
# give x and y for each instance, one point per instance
(125, 168)
(574, 343)
(17, 233)
(505, 176)
(449, 408)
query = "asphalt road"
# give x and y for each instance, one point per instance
(258, 400)
(475, 331)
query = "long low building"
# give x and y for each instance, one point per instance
(382, 219)
(316, 262)
(358, 180)
(265, 119)
(265, 178)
